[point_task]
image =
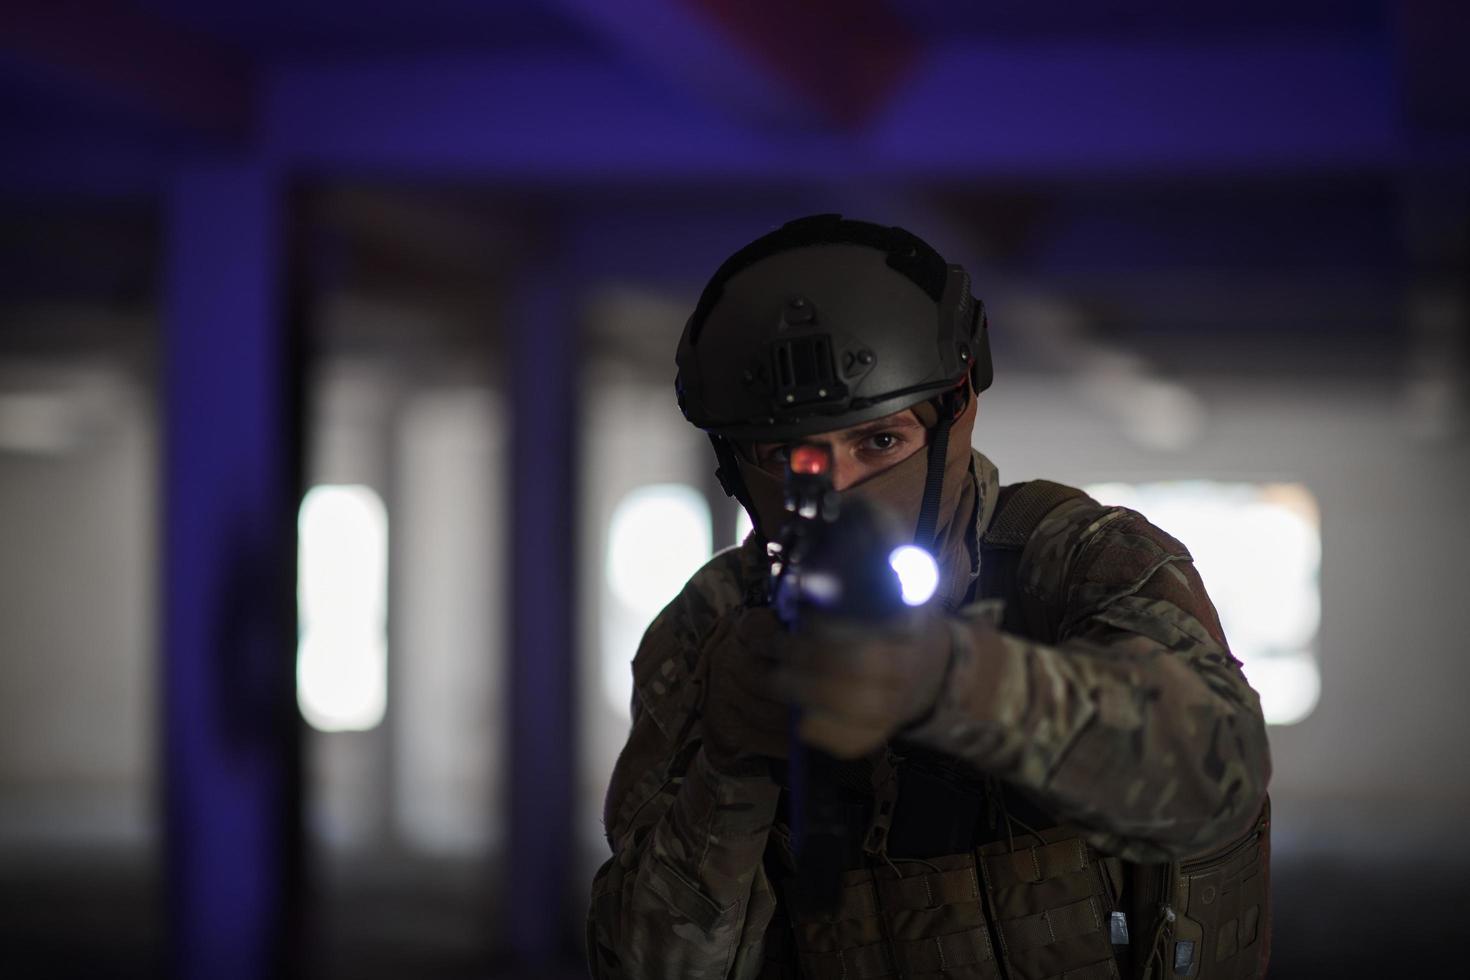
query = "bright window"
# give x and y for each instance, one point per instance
(743, 524)
(342, 602)
(1258, 548)
(658, 537)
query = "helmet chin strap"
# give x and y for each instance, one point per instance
(727, 471)
(950, 406)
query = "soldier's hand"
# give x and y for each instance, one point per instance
(858, 683)
(742, 716)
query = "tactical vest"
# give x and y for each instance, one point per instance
(959, 876)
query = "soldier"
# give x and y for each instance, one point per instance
(1058, 767)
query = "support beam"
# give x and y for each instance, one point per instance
(1084, 108)
(112, 57)
(543, 507)
(231, 464)
(827, 62)
(844, 56)
(975, 111)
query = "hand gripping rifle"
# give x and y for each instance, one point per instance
(841, 557)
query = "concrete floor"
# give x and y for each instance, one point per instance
(100, 915)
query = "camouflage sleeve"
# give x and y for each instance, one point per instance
(1136, 723)
(684, 893)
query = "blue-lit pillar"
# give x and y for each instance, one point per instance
(540, 337)
(230, 727)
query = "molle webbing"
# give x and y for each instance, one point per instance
(1019, 510)
(904, 918)
(1050, 905)
(923, 918)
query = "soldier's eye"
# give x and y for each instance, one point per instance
(884, 441)
(773, 455)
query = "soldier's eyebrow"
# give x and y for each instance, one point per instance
(884, 424)
(899, 420)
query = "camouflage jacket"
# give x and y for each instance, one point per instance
(1136, 725)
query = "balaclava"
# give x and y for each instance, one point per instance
(900, 491)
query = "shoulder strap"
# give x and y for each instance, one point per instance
(1019, 511)
(1021, 507)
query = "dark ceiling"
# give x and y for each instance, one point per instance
(1178, 169)
(313, 29)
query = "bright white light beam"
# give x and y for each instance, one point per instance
(918, 575)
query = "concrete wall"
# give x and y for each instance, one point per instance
(77, 600)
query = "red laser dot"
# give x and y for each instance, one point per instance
(811, 460)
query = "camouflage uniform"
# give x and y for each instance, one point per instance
(1121, 713)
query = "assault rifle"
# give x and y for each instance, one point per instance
(844, 558)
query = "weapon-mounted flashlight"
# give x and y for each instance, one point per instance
(918, 574)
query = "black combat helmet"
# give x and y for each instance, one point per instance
(823, 324)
